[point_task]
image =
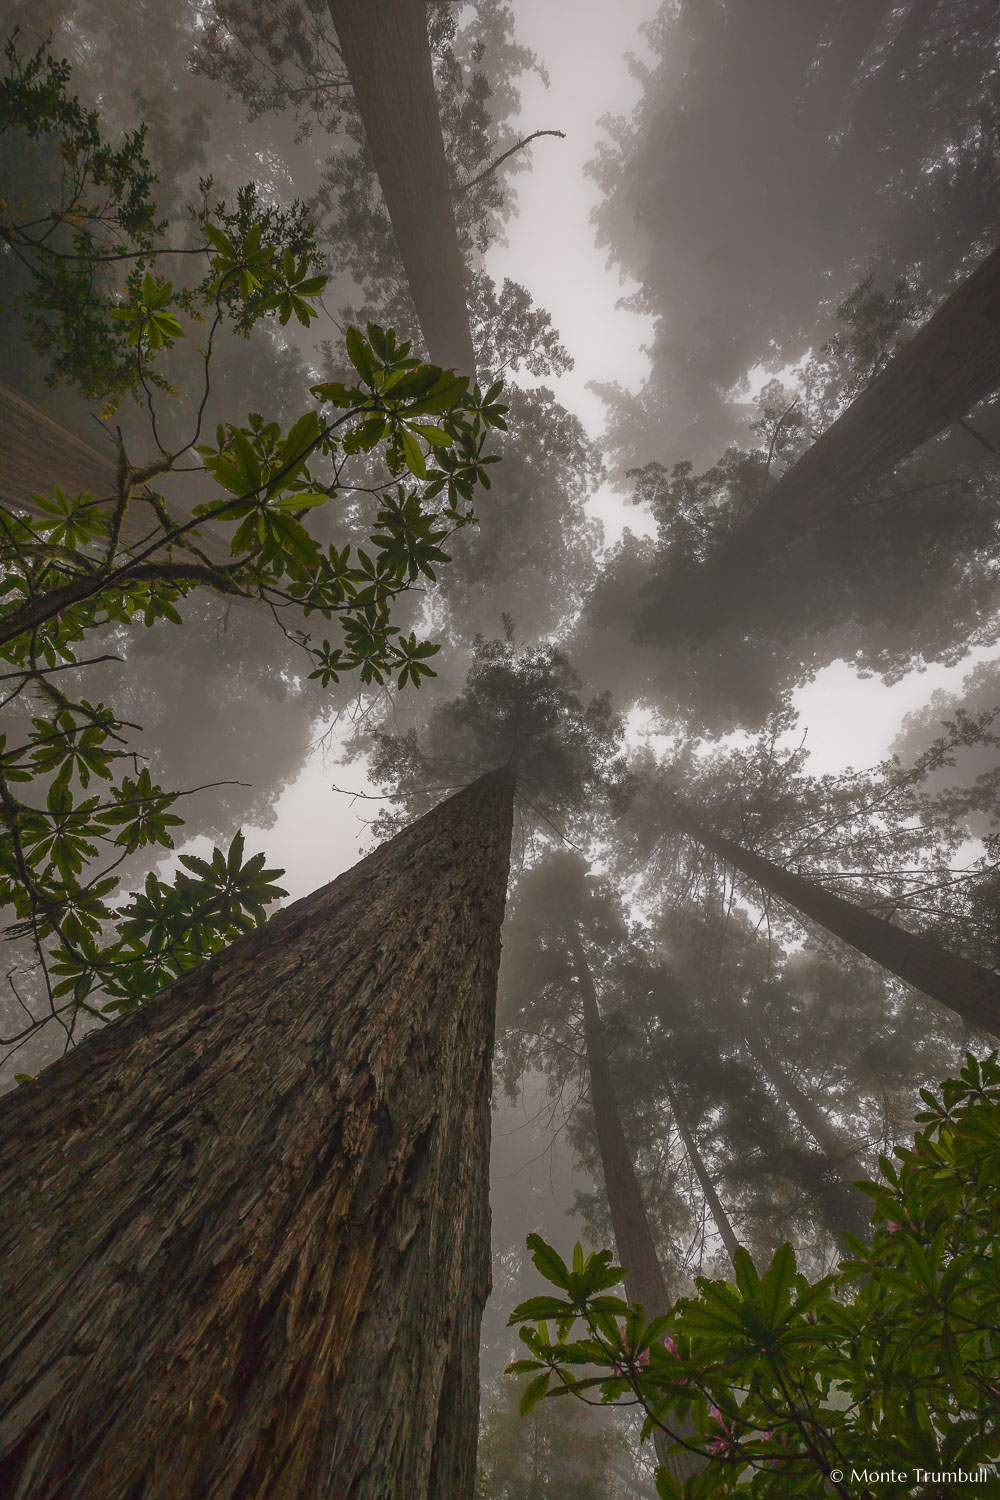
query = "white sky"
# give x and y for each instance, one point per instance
(550, 247)
(551, 250)
(551, 241)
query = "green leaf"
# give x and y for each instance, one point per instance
(337, 393)
(302, 437)
(413, 454)
(434, 435)
(533, 1392)
(299, 500)
(746, 1274)
(221, 241)
(364, 437)
(608, 1304)
(251, 240)
(403, 384)
(775, 1288)
(357, 353)
(548, 1261)
(536, 1308)
(447, 392)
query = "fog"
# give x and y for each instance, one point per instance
(752, 209)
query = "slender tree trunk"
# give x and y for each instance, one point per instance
(385, 50)
(968, 989)
(843, 1160)
(246, 1246)
(644, 1281)
(946, 369)
(722, 1221)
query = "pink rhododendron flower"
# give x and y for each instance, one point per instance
(671, 1348)
(640, 1361)
(726, 1442)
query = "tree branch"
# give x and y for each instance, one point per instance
(465, 186)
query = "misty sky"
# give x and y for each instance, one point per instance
(849, 720)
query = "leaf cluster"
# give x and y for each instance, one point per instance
(84, 561)
(892, 1360)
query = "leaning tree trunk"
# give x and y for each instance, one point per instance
(246, 1247)
(644, 1281)
(949, 366)
(385, 50)
(722, 1221)
(968, 989)
(843, 1160)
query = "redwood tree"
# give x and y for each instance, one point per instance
(967, 988)
(644, 1281)
(246, 1249)
(949, 366)
(384, 47)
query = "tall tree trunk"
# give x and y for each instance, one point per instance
(843, 1160)
(968, 989)
(721, 1218)
(385, 50)
(246, 1247)
(949, 366)
(644, 1281)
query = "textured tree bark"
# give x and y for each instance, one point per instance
(246, 1247)
(715, 1208)
(644, 1281)
(385, 51)
(946, 369)
(971, 991)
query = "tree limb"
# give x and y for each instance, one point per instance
(465, 186)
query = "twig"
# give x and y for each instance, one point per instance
(68, 666)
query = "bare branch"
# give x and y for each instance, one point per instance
(465, 186)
